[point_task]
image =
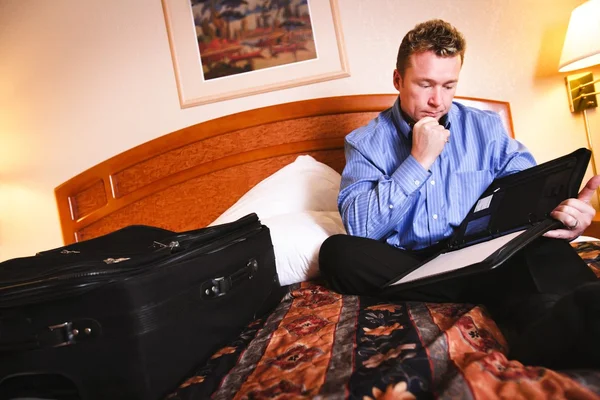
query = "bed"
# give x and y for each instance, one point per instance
(283, 162)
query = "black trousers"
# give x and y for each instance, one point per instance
(545, 299)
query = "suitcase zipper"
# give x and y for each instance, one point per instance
(20, 291)
(211, 247)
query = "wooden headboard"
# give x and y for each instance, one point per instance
(185, 179)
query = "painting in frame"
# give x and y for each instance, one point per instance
(224, 49)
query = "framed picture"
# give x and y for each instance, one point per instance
(223, 49)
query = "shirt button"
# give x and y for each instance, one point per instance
(417, 182)
(391, 206)
(432, 182)
(434, 216)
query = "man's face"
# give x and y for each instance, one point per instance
(428, 86)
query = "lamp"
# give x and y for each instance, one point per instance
(582, 50)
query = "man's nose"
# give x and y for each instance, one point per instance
(436, 97)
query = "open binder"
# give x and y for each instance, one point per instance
(511, 213)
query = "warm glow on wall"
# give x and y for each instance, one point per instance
(581, 50)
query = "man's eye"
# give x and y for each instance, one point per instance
(448, 87)
(424, 85)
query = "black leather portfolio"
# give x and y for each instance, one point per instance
(511, 213)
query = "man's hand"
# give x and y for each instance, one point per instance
(575, 214)
(428, 141)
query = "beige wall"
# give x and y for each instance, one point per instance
(83, 80)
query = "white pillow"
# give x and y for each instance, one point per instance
(299, 205)
(297, 238)
(304, 185)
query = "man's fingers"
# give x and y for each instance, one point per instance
(590, 188)
(570, 206)
(424, 121)
(561, 234)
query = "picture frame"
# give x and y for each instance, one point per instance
(196, 87)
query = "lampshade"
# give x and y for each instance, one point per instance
(582, 43)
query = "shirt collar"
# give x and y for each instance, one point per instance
(401, 124)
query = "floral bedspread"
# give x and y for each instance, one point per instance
(319, 344)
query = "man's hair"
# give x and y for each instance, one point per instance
(434, 35)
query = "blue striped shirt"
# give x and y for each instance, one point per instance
(387, 195)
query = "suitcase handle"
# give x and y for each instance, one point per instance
(59, 335)
(217, 287)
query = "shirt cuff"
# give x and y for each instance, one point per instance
(410, 175)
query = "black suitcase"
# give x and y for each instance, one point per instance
(129, 314)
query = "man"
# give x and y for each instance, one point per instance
(411, 176)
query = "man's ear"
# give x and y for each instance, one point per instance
(397, 80)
